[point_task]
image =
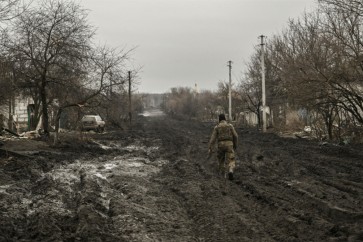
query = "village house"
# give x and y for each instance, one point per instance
(17, 114)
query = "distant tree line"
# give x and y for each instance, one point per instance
(313, 68)
(47, 52)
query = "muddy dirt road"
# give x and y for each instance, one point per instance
(154, 183)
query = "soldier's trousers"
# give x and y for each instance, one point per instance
(226, 156)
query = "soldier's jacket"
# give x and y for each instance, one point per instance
(225, 134)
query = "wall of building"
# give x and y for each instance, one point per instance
(19, 114)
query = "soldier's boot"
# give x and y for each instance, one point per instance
(230, 176)
(230, 173)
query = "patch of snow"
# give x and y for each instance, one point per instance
(3, 189)
(100, 176)
(109, 166)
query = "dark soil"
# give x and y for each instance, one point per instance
(155, 183)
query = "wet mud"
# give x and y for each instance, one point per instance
(155, 183)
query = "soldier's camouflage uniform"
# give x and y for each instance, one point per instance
(226, 137)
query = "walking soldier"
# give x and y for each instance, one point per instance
(226, 137)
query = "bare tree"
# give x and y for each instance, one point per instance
(105, 69)
(207, 101)
(222, 94)
(308, 60)
(250, 87)
(355, 6)
(250, 95)
(316, 63)
(10, 9)
(181, 102)
(344, 28)
(51, 42)
(6, 75)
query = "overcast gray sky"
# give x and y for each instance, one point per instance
(183, 42)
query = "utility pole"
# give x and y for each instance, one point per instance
(130, 113)
(264, 121)
(230, 92)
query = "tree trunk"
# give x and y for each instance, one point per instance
(329, 128)
(259, 123)
(43, 98)
(329, 119)
(37, 112)
(57, 119)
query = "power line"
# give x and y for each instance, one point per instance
(263, 83)
(229, 91)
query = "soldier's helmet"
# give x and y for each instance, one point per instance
(221, 117)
